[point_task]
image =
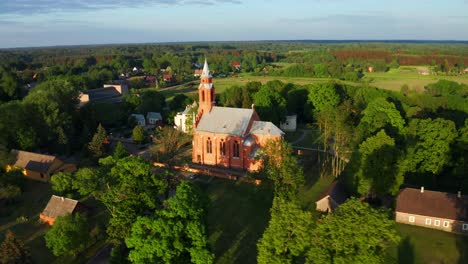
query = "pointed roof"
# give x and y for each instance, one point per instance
(206, 71)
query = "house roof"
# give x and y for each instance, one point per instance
(226, 120)
(235, 63)
(198, 72)
(154, 115)
(167, 76)
(335, 191)
(33, 161)
(103, 94)
(265, 128)
(59, 206)
(432, 203)
(138, 117)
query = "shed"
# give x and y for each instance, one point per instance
(331, 198)
(60, 206)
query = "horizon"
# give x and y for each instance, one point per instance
(46, 23)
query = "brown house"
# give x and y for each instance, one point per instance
(60, 206)
(39, 166)
(437, 210)
(331, 198)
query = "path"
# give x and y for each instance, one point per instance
(304, 134)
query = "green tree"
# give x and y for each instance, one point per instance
(13, 251)
(62, 182)
(379, 172)
(322, 96)
(287, 235)
(88, 181)
(27, 139)
(354, 233)
(270, 105)
(281, 167)
(138, 134)
(68, 236)
(380, 113)
(151, 101)
(176, 234)
(96, 146)
(120, 151)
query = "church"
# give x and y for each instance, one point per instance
(225, 136)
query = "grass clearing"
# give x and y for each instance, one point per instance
(421, 245)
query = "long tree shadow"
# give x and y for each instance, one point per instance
(406, 252)
(462, 245)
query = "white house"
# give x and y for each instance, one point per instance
(140, 119)
(290, 124)
(153, 117)
(180, 120)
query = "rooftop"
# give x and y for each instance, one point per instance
(33, 161)
(265, 128)
(226, 120)
(59, 206)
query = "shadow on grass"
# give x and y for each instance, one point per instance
(406, 252)
(462, 245)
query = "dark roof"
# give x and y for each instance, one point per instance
(59, 206)
(336, 191)
(103, 94)
(431, 203)
(33, 161)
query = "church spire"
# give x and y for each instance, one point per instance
(206, 71)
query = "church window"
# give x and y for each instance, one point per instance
(203, 96)
(209, 146)
(222, 148)
(235, 153)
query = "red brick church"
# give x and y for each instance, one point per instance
(225, 136)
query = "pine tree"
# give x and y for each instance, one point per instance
(96, 146)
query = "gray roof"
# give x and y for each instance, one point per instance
(265, 128)
(103, 94)
(138, 117)
(226, 120)
(33, 161)
(59, 206)
(154, 115)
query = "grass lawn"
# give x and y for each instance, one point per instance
(423, 245)
(237, 217)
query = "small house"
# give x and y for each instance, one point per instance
(290, 124)
(333, 196)
(110, 93)
(60, 206)
(139, 119)
(197, 73)
(437, 210)
(38, 166)
(168, 77)
(154, 118)
(424, 72)
(370, 69)
(236, 65)
(180, 119)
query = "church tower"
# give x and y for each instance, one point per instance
(206, 92)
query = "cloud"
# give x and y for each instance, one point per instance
(24, 7)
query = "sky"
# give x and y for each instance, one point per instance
(30, 23)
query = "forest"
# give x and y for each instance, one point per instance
(374, 141)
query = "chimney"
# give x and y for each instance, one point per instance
(422, 189)
(459, 194)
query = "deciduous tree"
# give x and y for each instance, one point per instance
(68, 236)
(13, 250)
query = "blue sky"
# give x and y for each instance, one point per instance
(26, 23)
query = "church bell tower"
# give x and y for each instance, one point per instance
(206, 92)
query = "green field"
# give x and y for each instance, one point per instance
(391, 80)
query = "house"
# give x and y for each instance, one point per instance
(168, 77)
(139, 119)
(465, 71)
(370, 69)
(151, 80)
(228, 137)
(290, 124)
(333, 196)
(135, 69)
(197, 73)
(38, 166)
(111, 93)
(180, 119)
(437, 210)
(236, 65)
(60, 206)
(154, 118)
(424, 72)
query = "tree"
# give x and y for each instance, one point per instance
(281, 167)
(380, 113)
(176, 234)
(120, 151)
(430, 142)
(138, 134)
(287, 235)
(62, 182)
(379, 172)
(324, 95)
(96, 146)
(354, 233)
(270, 105)
(6, 158)
(151, 101)
(68, 236)
(88, 181)
(13, 250)
(167, 143)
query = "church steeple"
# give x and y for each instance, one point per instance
(206, 92)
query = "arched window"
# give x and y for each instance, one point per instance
(222, 147)
(203, 96)
(209, 146)
(235, 152)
